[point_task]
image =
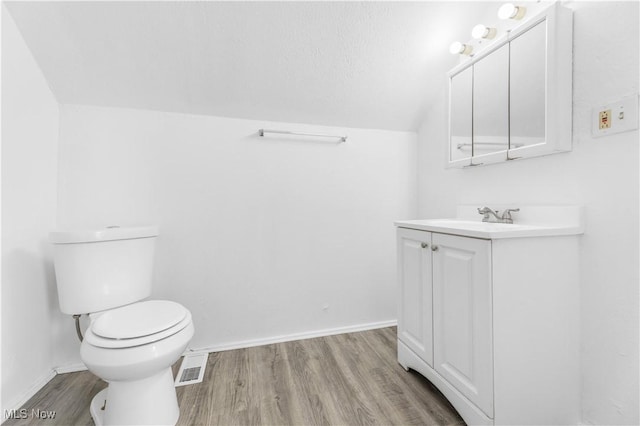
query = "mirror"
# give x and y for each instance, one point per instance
(528, 87)
(491, 103)
(513, 100)
(460, 93)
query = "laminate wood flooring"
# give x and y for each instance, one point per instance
(346, 379)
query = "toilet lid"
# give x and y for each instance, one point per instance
(90, 338)
(139, 319)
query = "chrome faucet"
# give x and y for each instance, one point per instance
(505, 218)
(486, 211)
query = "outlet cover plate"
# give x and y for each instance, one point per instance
(623, 117)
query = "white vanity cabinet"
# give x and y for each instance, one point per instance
(492, 322)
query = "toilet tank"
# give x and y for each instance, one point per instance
(103, 268)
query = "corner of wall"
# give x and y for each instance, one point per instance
(30, 123)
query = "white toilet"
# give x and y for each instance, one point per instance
(130, 343)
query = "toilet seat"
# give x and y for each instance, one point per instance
(137, 324)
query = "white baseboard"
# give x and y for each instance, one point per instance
(22, 399)
(290, 337)
(71, 368)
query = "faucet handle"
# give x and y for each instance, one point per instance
(507, 213)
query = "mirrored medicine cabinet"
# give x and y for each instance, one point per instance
(513, 99)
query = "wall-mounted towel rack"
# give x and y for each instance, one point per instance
(341, 138)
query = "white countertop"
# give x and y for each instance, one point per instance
(535, 221)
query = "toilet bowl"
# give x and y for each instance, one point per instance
(131, 342)
(133, 349)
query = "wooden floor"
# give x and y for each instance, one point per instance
(347, 379)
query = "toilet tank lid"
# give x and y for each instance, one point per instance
(109, 233)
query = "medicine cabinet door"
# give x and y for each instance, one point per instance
(528, 87)
(460, 104)
(491, 107)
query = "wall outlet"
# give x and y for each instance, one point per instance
(616, 117)
(604, 119)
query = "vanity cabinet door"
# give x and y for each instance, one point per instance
(414, 276)
(462, 316)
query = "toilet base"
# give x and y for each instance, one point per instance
(150, 401)
(97, 407)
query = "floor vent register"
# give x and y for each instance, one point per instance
(192, 369)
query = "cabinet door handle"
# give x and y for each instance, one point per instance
(434, 248)
(425, 245)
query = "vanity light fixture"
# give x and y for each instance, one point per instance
(458, 48)
(482, 31)
(511, 11)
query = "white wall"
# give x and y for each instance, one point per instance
(257, 234)
(29, 168)
(601, 174)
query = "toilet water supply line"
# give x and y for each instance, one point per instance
(77, 318)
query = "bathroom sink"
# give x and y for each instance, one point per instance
(476, 225)
(486, 230)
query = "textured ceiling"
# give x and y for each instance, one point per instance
(354, 64)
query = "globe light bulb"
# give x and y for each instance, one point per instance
(457, 48)
(481, 31)
(511, 11)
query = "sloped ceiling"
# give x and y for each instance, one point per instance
(354, 64)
